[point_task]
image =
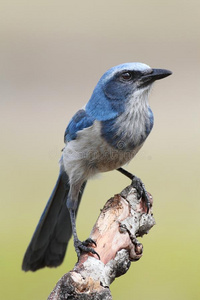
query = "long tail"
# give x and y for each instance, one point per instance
(53, 232)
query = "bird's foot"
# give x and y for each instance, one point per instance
(139, 186)
(83, 247)
(142, 192)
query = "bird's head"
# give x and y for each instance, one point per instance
(124, 80)
(120, 84)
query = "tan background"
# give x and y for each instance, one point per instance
(52, 55)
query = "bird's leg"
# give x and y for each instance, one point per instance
(78, 245)
(126, 173)
(138, 185)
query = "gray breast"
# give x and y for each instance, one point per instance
(131, 128)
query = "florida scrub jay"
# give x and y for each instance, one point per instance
(102, 136)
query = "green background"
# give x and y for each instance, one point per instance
(52, 55)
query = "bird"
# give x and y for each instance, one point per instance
(102, 136)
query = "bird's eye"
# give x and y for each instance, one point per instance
(126, 76)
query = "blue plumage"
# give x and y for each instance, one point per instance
(149, 124)
(99, 107)
(80, 121)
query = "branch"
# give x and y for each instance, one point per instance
(120, 222)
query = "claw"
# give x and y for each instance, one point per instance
(139, 186)
(83, 247)
(89, 241)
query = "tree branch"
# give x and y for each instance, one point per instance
(120, 222)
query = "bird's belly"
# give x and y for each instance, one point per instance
(93, 158)
(108, 158)
(90, 154)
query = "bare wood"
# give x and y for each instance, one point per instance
(120, 222)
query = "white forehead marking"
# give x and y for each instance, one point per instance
(134, 66)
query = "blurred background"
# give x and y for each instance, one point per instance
(52, 55)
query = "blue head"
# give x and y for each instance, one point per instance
(118, 85)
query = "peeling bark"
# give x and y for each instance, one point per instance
(122, 220)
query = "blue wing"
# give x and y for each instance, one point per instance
(79, 121)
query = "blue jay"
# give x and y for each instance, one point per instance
(102, 136)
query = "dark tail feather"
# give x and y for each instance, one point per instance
(53, 232)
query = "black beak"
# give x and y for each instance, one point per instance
(156, 74)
